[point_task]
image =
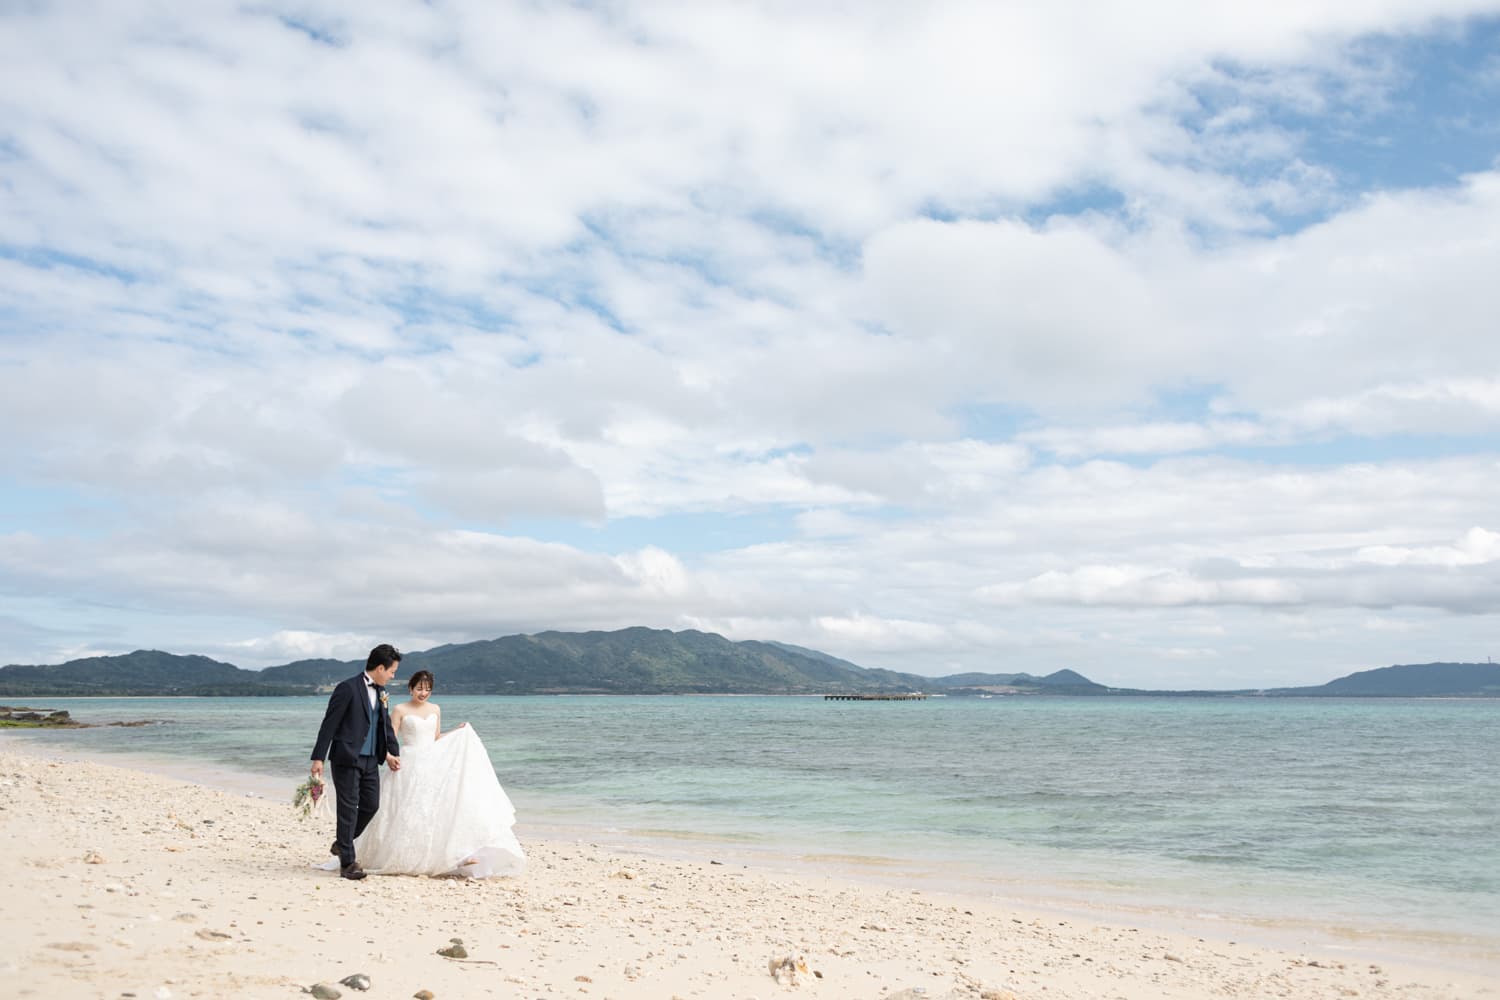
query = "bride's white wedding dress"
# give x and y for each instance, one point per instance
(444, 812)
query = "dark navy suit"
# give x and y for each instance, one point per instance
(344, 738)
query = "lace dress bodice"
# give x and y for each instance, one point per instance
(417, 733)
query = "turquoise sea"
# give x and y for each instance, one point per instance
(1360, 818)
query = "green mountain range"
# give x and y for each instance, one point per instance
(653, 661)
(1424, 680)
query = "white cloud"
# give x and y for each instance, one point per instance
(285, 646)
(1155, 438)
(392, 328)
(1476, 548)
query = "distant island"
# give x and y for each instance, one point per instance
(658, 661)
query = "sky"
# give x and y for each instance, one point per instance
(1156, 341)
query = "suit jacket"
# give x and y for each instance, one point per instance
(347, 722)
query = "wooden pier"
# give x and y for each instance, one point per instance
(912, 696)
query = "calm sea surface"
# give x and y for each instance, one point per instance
(1373, 815)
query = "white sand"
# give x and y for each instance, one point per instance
(202, 892)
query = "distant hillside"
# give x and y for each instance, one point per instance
(657, 661)
(1058, 682)
(144, 672)
(307, 673)
(1414, 680)
(628, 661)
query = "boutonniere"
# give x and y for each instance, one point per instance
(384, 699)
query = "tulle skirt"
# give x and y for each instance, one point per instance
(443, 813)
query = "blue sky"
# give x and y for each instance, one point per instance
(1155, 344)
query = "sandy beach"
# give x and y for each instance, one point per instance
(127, 884)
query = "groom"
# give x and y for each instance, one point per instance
(357, 730)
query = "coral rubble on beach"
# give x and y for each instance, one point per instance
(20, 717)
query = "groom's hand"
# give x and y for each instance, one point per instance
(317, 769)
(393, 762)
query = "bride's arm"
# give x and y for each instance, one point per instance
(438, 733)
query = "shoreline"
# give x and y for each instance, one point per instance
(591, 862)
(1056, 896)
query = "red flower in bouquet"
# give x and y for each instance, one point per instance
(308, 796)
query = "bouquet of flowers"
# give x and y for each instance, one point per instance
(309, 799)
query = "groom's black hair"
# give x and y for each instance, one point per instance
(382, 655)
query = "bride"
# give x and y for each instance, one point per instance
(444, 812)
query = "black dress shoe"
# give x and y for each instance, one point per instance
(353, 871)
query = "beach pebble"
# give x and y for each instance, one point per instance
(211, 935)
(455, 950)
(784, 968)
(423, 995)
(358, 981)
(324, 992)
(93, 858)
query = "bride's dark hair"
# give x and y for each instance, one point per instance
(417, 678)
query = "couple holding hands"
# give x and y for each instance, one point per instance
(438, 809)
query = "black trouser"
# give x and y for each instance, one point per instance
(358, 790)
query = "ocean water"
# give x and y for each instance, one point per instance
(1360, 817)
